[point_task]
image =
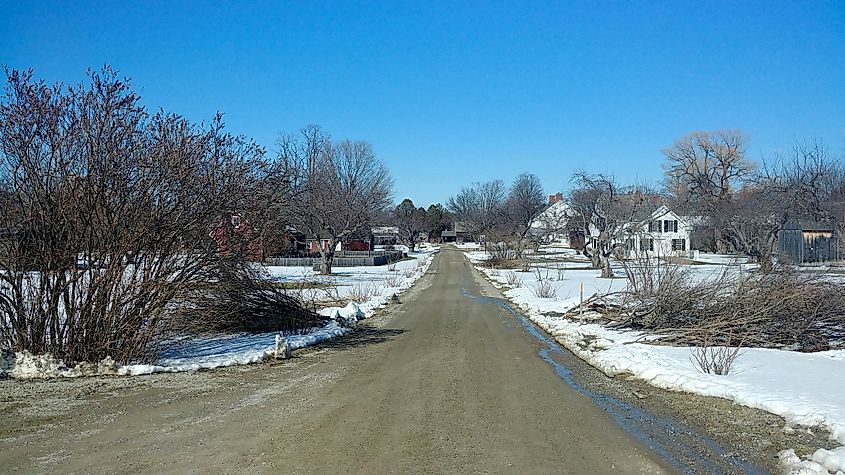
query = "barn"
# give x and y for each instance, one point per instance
(805, 241)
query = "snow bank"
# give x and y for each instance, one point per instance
(806, 389)
(822, 462)
(192, 354)
(232, 350)
(772, 380)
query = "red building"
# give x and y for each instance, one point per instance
(235, 236)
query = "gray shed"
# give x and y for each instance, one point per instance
(806, 240)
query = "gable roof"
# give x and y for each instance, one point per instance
(664, 211)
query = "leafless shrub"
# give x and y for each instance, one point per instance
(391, 267)
(561, 271)
(513, 279)
(408, 273)
(393, 280)
(239, 298)
(498, 263)
(105, 216)
(503, 251)
(328, 296)
(363, 292)
(711, 358)
(542, 274)
(544, 288)
(784, 309)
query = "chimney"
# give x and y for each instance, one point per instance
(555, 198)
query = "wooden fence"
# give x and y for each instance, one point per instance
(342, 259)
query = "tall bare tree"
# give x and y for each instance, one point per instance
(339, 187)
(706, 169)
(525, 200)
(480, 207)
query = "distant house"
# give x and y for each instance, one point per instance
(552, 223)
(458, 234)
(664, 233)
(448, 236)
(803, 240)
(385, 236)
(313, 245)
(364, 241)
(235, 236)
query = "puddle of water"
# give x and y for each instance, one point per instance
(662, 435)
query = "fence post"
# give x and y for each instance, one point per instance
(581, 305)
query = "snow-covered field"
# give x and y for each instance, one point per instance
(807, 389)
(372, 287)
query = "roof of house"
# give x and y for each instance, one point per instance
(552, 216)
(385, 231)
(461, 227)
(808, 224)
(449, 234)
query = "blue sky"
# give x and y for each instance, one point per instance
(455, 92)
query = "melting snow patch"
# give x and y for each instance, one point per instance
(192, 354)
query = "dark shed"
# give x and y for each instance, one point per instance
(806, 240)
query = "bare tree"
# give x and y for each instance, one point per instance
(339, 187)
(707, 167)
(524, 202)
(508, 238)
(411, 221)
(604, 211)
(480, 208)
(705, 170)
(799, 186)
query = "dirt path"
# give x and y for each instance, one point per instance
(440, 384)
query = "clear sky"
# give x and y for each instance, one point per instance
(455, 92)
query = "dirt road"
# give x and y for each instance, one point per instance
(443, 383)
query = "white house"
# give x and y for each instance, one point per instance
(664, 233)
(551, 224)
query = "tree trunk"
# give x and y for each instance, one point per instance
(595, 258)
(411, 245)
(765, 262)
(720, 242)
(606, 271)
(766, 253)
(327, 256)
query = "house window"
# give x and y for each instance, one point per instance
(670, 225)
(629, 245)
(654, 226)
(601, 223)
(679, 244)
(647, 244)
